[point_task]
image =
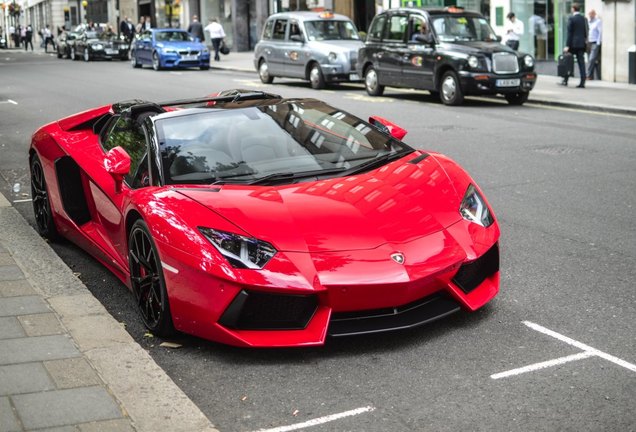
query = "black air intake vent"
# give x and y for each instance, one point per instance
(472, 274)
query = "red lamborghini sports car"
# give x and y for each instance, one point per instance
(254, 220)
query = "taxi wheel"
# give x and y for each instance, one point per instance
(87, 55)
(451, 92)
(263, 73)
(316, 78)
(517, 98)
(73, 55)
(156, 63)
(371, 82)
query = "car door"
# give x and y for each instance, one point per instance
(419, 58)
(143, 47)
(275, 53)
(294, 55)
(390, 58)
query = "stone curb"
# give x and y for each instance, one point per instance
(147, 395)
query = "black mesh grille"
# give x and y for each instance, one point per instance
(472, 274)
(252, 310)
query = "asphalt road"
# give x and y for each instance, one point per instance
(562, 185)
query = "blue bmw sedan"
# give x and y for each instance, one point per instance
(169, 48)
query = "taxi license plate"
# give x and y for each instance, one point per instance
(190, 57)
(111, 51)
(354, 77)
(508, 82)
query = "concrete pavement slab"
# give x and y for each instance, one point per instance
(71, 373)
(14, 306)
(33, 349)
(65, 407)
(41, 324)
(24, 378)
(10, 272)
(16, 288)
(106, 426)
(6, 259)
(8, 421)
(10, 328)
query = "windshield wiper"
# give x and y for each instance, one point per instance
(376, 162)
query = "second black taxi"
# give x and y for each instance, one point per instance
(450, 52)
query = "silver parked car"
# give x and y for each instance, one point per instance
(321, 47)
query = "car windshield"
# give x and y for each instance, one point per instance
(452, 28)
(284, 141)
(172, 36)
(331, 30)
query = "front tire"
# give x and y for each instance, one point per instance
(316, 77)
(517, 98)
(451, 91)
(263, 73)
(148, 283)
(73, 54)
(133, 61)
(156, 62)
(372, 82)
(41, 204)
(87, 55)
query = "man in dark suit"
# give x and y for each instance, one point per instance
(196, 29)
(127, 29)
(577, 37)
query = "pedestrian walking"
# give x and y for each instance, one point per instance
(28, 39)
(513, 30)
(576, 41)
(215, 30)
(594, 43)
(196, 29)
(127, 29)
(48, 38)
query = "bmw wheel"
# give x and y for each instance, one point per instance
(148, 284)
(372, 82)
(316, 77)
(133, 61)
(451, 92)
(263, 73)
(41, 204)
(156, 63)
(87, 55)
(517, 98)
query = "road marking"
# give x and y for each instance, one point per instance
(9, 101)
(542, 365)
(363, 98)
(320, 420)
(588, 352)
(23, 200)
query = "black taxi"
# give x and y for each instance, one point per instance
(449, 52)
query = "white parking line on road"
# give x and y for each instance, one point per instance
(23, 200)
(588, 351)
(9, 101)
(320, 420)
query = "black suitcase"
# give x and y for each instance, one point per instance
(565, 65)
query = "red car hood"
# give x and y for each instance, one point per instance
(399, 202)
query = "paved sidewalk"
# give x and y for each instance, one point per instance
(597, 96)
(65, 363)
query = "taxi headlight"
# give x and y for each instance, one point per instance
(333, 57)
(97, 47)
(473, 62)
(528, 61)
(474, 209)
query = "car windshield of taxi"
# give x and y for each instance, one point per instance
(451, 28)
(331, 30)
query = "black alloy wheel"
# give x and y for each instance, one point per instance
(41, 205)
(148, 284)
(372, 82)
(87, 55)
(451, 92)
(517, 98)
(263, 73)
(156, 62)
(316, 77)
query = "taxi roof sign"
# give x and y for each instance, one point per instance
(326, 14)
(454, 9)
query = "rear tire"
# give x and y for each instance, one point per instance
(372, 82)
(133, 61)
(517, 98)
(87, 55)
(263, 73)
(41, 204)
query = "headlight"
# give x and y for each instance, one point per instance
(240, 251)
(473, 62)
(204, 51)
(528, 60)
(473, 208)
(97, 47)
(169, 51)
(160, 45)
(333, 57)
